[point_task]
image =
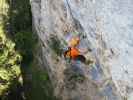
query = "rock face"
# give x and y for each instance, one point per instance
(107, 26)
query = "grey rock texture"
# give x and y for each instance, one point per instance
(108, 26)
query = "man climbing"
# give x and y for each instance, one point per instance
(74, 53)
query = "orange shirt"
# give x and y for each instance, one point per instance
(73, 53)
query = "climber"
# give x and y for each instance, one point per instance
(74, 53)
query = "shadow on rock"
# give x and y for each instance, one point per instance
(73, 75)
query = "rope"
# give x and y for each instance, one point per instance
(82, 34)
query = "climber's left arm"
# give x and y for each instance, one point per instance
(83, 50)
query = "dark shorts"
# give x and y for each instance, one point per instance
(81, 58)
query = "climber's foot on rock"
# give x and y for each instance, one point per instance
(88, 62)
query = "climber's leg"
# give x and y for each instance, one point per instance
(81, 58)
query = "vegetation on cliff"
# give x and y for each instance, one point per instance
(21, 76)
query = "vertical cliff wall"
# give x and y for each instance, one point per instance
(107, 26)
